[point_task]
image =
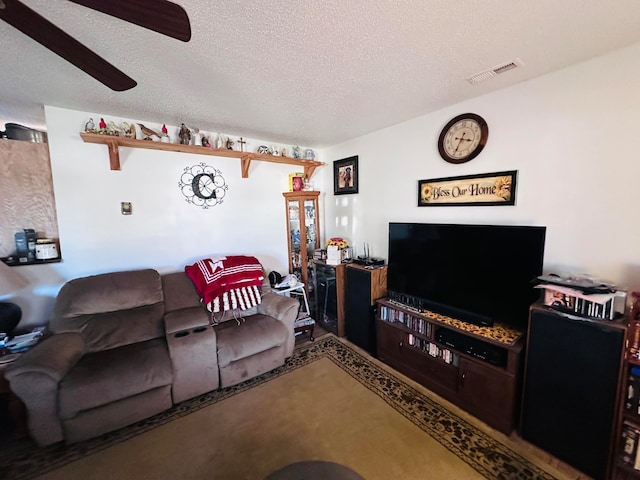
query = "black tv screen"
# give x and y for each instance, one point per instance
(476, 273)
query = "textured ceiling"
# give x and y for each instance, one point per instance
(314, 72)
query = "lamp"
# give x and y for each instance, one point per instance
(10, 313)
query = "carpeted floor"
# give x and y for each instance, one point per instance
(328, 402)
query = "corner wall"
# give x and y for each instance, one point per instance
(572, 136)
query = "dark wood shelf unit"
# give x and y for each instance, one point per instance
(620, 469)
(487, 391)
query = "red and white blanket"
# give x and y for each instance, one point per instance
(227, 283)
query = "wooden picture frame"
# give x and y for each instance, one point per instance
(488, 189)
(345, 176)
(296, 182)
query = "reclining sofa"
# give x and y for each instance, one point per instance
(124, 346)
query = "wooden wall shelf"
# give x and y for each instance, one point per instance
(114, 144)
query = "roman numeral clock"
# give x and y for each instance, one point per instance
(463, 138)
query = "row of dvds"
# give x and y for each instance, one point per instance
(632, 397)
(420, 325)
(433, 349)
(630, 454)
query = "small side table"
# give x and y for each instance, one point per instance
(304, 322)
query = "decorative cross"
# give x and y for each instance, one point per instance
(241, 142)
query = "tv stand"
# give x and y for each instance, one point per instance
(475, 367)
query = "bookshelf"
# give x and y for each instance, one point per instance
(626, 459)
(417, 344)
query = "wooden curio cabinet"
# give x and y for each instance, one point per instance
(303, 231)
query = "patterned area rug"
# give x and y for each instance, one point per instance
(483, 453)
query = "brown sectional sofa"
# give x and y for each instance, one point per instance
(127, 345)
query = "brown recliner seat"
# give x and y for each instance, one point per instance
(105, 366)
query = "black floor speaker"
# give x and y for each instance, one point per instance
(363, 286)
(570, 388)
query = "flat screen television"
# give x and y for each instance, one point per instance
(479, 274)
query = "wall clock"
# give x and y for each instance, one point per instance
(203, 185)
(463, 138)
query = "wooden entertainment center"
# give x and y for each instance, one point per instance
(480, 374)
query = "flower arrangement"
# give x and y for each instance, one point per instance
(337, 242)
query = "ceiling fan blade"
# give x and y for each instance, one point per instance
(47, 34)
(160, 16)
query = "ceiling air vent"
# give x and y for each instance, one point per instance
(492, 72)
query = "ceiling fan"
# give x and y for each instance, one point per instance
(160, 16)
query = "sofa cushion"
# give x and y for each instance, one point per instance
(255, 334)
(111, 309)
(104, 377)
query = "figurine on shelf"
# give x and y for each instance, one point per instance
(309, 154)
(185, 135)
(129, 130)
(205, 141)
(242, 142)
(113, 129)
(90, 127)
(103, 126)
(165, 134)
(219, 141)
(196, 137)
(283, 152)
(229, 144)
(147, 132)
(296, 152)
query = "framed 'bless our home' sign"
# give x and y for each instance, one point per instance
(498, 188)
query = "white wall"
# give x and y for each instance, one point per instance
(570, 134)
(164, 232)
(573, 137)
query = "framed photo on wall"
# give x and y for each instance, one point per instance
(345, 176)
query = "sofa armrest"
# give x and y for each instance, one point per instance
(53, 357)
(280, 307)
(34, 378)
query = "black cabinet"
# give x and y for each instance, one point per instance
(363, 287)
(571, 388)
(329, 296)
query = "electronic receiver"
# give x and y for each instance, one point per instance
(484, 351)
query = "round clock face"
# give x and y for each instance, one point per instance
(463, 138)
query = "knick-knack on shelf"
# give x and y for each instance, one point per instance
(184, 134)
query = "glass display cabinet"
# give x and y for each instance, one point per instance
(303, 232)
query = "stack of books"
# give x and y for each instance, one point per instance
(632, 400)
(630, 451)
(582, 296)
